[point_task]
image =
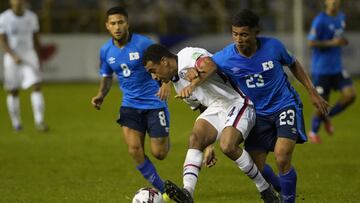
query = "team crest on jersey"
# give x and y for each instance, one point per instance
(196, 55)
(111, 60)
(134, 56)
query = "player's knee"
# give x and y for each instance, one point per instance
(283, 162)
(36, 87)
(13, 92)
(135, 151)
(227, 147)
(160, 154)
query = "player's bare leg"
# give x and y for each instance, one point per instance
(13, 105)
(38, 106)
(135, 141)
(284, 148)
(203, 135)
(230, 140)
(160, 147)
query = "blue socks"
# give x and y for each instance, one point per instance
(336, 109)
(148, 170)
(315, 124)
(288, 186)
(271, 177)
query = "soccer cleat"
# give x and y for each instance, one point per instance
(269, 195)
(42, 127)
(329, 128)
(177, 194)
(166, 198)
(314, 138)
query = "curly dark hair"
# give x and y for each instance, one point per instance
(155, 52)
(244, 18)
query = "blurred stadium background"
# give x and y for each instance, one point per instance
(83, 157)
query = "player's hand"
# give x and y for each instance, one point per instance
(191, 74)
(185, 92)
(164, 91)
(340, 41)
(320, 103)
(209, 157)
(97, 101)
(16, 59)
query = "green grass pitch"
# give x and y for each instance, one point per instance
(84, 159)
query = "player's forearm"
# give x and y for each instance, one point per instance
(300, 74)
(206, 69)
(5, 46)
(105, 86)
(37, 43)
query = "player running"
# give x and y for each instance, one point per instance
(141, 110)
(326, 39)
(229, 117)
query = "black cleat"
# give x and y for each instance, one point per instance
(177, 194)
(269, 195)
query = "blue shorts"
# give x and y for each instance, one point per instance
(325, 83)
(286, 123)
(153, 121)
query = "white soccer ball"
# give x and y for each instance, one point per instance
(147, 195)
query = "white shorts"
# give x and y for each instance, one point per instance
(22, 75)
(239, 115)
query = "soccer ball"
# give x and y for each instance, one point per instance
(147, 195)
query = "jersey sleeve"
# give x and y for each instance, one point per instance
(188, 58)
(145, 42)
(286, 57)
(315, 29)
(105, 69)
(218, 58)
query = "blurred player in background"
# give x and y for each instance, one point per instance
(255, 65)
(19, 38)
(327, 38)
(229, 117)
(143, 107)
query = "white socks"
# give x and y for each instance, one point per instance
(13, 105)
(38, 106)
(246, 164)
(192, 166)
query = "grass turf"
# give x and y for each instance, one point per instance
(84, 159)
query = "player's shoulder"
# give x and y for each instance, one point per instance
(6, 14)
(227, 51)
(140, 40)
(193, 52)
(106, 46)
(30, 13)
(270, 41)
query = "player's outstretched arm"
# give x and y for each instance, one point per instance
(335, 42)
(304, 79)
(105, 86)
(204, 68)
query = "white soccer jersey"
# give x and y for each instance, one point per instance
(213, 92)
(225, 106)
(19, 30)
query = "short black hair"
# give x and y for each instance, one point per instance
(245, 17)
(117, 10)
(155, 52)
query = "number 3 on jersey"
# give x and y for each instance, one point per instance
(287, 117)
(255, 81)
(125, 69)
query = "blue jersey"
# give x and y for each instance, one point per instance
(261, 76)
(325, 27)
(138, 87)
